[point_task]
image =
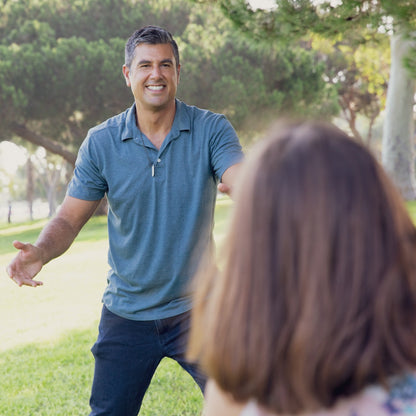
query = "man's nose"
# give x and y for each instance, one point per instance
(156, 72)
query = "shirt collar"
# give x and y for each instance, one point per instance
(181, 122)
(130, 128)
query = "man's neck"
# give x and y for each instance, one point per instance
(155, 125)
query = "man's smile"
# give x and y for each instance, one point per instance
(155, 87)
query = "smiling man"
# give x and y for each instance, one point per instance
(159, 163)
(153, 77)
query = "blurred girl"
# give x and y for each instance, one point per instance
(314, 311)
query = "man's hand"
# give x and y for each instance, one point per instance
(54, 240)
(225, 189)
(26, 265)
(228, 179)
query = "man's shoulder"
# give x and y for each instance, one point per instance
(115, 123)
(203, 119)
(197, 112)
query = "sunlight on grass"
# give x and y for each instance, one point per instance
(95, 230)
(73, 284)
(24, 227)
(70, 297)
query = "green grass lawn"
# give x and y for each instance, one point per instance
(411, 207)
(46, 367)
(54, 378)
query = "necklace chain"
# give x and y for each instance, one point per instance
(152, 164)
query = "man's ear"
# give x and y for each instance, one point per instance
(126, 74)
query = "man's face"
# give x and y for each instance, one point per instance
(153, 76)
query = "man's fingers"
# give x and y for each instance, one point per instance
(32, 283)
(19, 245)
(25, 265)
(9, 271)
(22, 281)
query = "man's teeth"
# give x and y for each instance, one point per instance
(155, 87)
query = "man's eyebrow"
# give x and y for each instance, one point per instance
(163, 61)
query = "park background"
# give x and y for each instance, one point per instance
(351, 62)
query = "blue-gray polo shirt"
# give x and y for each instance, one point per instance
(159, 226)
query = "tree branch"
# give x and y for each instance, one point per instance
(22, 131)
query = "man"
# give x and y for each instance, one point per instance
(158, 163)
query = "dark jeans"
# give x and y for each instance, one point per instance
(127, 354)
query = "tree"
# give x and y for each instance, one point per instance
(30, 186)
(360, 74)
(250, 83)
(398, 142)
(60, 75)
(58, 91)
(51, 175)
(356, 20)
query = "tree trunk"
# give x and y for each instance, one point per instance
(51, 190)
(30, 188)
(398, 129)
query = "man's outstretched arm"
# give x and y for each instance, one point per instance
(56, 237)
(228, 179)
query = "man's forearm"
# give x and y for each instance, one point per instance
(55, 238)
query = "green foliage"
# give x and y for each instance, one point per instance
(60, 62)
(60, 66)
(90, 19)
(50, 84)
(353, 27)
(293, 19)
(359, 72)
(249, 82)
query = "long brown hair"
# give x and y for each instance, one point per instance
(317, 296)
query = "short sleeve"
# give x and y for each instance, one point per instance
(87, 182)
(225, 148)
